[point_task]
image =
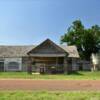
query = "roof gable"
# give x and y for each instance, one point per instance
(47, 47)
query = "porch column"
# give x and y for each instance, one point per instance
(29, 69)
(65, 65)
(56, 61)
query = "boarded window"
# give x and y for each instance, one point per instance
(13, 65)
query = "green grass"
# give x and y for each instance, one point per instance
(49, 95)
(76, 76)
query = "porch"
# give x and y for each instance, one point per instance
(50, 65)
(47, 64)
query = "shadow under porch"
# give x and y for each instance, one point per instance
(48, 64)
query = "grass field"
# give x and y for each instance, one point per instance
(76, 76)
(48, 95)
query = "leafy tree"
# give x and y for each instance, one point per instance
(96, 30)
(86, 40)
(89, 43)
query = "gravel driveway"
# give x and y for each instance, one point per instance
(25, 84)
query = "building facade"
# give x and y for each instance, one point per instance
(47, 56)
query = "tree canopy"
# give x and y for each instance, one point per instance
(86, 40)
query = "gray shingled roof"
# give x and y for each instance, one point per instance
(71, 50)
(20, 51)
(14, 51)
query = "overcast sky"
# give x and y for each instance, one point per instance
(32, 21)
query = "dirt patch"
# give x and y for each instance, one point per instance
(49, 84)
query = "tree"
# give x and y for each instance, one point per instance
(89, 44)
(96, 30)
(86, 40)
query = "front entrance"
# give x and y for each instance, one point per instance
(48, 64)
(1, 66)
(39, 67)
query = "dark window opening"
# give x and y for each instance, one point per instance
(1, 66)
(13, 65)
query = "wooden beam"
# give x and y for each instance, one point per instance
(56, 61)
(65, 65)
(29, 67)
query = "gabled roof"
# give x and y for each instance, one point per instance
(47, 47)
(21, 51)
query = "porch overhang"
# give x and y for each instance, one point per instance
(47, 55)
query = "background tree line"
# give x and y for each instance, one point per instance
(86, 40)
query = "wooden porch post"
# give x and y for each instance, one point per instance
(65, 65)
(56, 61)
(69, 67)
(29, 69)
(56, 64)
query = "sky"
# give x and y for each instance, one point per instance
(27, 22)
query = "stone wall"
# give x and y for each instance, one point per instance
(84, 64)
(24, 63)
(74, 64)
(8, 60)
